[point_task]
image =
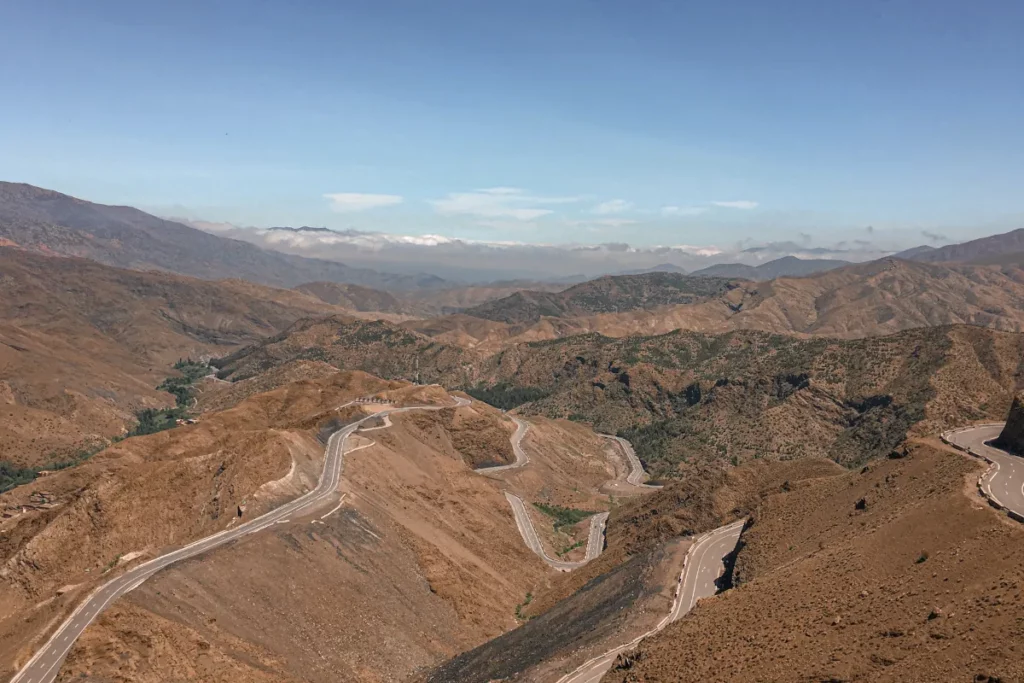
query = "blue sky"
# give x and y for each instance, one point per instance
(649, 121)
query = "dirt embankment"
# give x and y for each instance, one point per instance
(894, 572)
(65, 532)
(1012, 436)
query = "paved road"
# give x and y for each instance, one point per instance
(636, 468)
(45, 664)
(703, 566)
(1004, 481)
(517, 448)
(595, 540)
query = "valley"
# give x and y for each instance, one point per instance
(366, 478)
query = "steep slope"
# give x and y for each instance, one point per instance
(1012, 436)
(603, 295)
(82, 345)
(787, 266)
(895, 572)
(46, 221)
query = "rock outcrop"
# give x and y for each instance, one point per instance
(1012, 438)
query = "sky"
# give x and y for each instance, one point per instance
(651, 122)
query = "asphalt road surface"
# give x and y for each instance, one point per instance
(1004, 481)
(636, 468)
(517, 448)
(595, 541)
(45, 664)
(704, 566)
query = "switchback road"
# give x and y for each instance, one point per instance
(703, 567)
(1004, 481)
(517, 448)
(45, 664)
(595, 541)
(636, 468)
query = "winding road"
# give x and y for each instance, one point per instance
(636, 468)
(595, 539)
(517, 449)
(702, 569)
(1003, 483)
(45, 664)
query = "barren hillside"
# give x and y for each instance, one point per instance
(83, 346)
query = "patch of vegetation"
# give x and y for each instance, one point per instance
(564, 516)
(153, 420)
(181, 387)
(12, 476)
(505, 396)
(524, 603)
(569, 548)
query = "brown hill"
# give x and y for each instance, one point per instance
(982, 250)
(46, 221)
(604, 295)
(687, 396)
(354, 297)
(787, 266)
(421, 561)
(83, 345)
(378, 347)
(919, 583)
(877, 298)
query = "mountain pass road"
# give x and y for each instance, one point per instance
(45, 664)
(1004, 481)
(700, 578)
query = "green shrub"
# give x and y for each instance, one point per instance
(563, 516)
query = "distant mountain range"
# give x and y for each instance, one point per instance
(787, 266)
(609, 294)
(1004, 249)
(52, 223)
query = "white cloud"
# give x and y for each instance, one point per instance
(498, 202)
(347, 202)
(683, 210)
(612, 206)
(744, 204)
(709, 250)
